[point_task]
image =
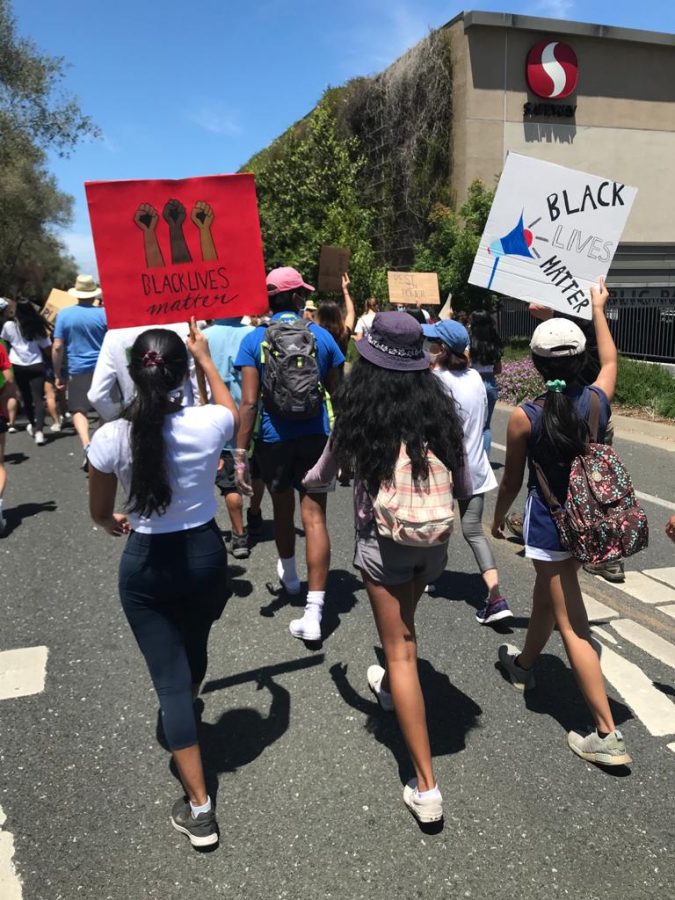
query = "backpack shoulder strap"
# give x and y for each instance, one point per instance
(551, 500)
(594, 417)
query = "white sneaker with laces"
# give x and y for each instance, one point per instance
(375, 674)
(40, 438)
(425, 809)
(55, 426)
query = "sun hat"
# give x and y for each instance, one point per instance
(311, 306)
(285, 278)
(394, 342)
(558, 337)
(449, 332)
(85, 288)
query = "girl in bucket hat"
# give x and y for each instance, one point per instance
(392, 400)
(551, 433)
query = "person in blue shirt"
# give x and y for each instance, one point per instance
(79, 330)
(287, 448)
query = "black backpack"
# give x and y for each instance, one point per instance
(291, 383)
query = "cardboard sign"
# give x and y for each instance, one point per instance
(57, 301)
(414, 287)
(333, 261)
(168, 250)
(552, 232)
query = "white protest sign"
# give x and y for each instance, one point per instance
(552, 232)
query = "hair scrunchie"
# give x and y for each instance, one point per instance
(152, 358)
(557, 386)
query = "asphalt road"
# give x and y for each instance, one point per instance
(308, 773)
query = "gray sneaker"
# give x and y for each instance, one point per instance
(202, 831)
(240, 545)
(610, 571)
(608, 751)
(521, 679)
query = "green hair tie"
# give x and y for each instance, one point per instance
(557, 386)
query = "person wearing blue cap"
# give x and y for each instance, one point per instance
(447, 344)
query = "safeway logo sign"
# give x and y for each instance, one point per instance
(552, 70)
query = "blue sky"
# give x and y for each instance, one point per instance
(183, 89)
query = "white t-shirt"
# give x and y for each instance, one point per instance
(111, 385)
(468, 391)
(365, 323)
(193, 437)
(21, 351)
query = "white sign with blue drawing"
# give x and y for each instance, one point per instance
(552, 232)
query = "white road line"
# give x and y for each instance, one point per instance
(23, 672)
(646, 640)
(666, 575)
(648, 703)
(668, 610)
(605, 635)
(649, 498)
(645, 589)
(598, 612)
(10, 883)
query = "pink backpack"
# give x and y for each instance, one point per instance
(416, 513)
(601, 519)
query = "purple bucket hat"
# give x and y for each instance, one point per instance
(394, 342)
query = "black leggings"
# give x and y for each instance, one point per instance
(173, 587)
(31, 382)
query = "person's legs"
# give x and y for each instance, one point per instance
(3, 471)
(283, 509)
(12, 403)
(394, 612)
(22, 377)
(258, 486)
(471, 515)
(235, 510)
(50, 401)
(81, 425)
(541, 623)
(317, 541)
(37, 390)
(78, 404)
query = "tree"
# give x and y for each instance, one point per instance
(451, 247)
(34, 116)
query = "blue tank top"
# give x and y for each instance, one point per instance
(557, 473)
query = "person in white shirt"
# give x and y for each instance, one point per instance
(173, 572)
(365, 322)
(447, 345)
(29, 345)
(112, 387)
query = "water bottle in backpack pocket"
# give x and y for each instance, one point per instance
(291, 382)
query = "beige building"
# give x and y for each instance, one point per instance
(618, 121)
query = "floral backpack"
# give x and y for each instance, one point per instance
(416, 513)
(601, 519)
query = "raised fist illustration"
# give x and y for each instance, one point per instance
(174, 213)
(146, 217)
(202, 214)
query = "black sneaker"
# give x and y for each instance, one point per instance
(254, 522)
(202, 831)
(239, 545)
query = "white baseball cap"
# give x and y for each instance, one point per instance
(558, 337)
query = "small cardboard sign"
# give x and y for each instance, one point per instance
(333, 261)
(415, 288)
(57, 301)
(552, 232)
(169, 250)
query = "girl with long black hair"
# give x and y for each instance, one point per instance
(173, 572)
(29, 343)
(391, 401)
(486, 359)
(551, 432)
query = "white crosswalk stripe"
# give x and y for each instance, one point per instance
(645, 589)
(646, 640)
(668, 610)
(10, 883)
(666, 575)
(22, 672)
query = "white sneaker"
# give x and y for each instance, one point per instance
(29, 429)
(40, 438)
(12, 429)
(56, 426)
(308, 628)
(425, 809)
(375, 674)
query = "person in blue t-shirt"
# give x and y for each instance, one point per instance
(286, 449)
(79, 330)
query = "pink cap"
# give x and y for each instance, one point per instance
(285, 279)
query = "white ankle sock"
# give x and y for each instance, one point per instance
(433, 794)
(314, 605)
(287, 572)
(197, 810)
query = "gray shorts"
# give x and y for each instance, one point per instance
(389, 563)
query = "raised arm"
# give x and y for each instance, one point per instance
(609, 358)
(350, 317)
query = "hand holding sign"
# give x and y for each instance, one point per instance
(202, 217)
(174, 215)
(550, 233)
(146, 218)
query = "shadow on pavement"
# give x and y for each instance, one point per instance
(15, 515)
(451, 714)
(15, 459)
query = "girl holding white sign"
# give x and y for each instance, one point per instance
(551, 433)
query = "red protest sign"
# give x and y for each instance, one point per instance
(168, 250)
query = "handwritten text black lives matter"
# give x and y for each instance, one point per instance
(606, 194)
(188, 290)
